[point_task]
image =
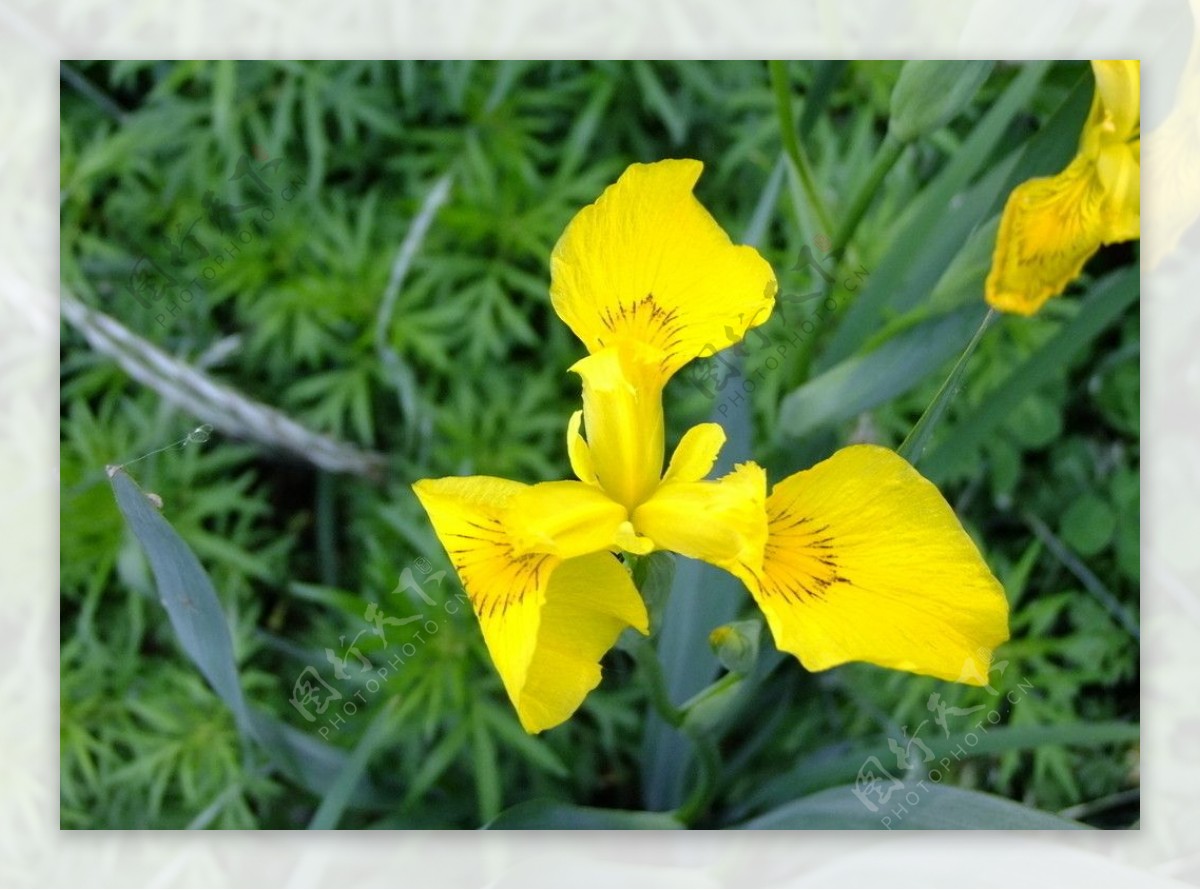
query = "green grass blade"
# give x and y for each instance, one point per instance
(914, 443)
(199, 622)
(311, 763)
(826, 75)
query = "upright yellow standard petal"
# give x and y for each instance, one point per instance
(1118, 93)
(579, 453)
(1119, 167)
(623, 420)
(696, 453)
(647, 263)
(549, 604)
(723, 522)
(865, 561)
(577, 618)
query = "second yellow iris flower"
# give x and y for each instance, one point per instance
(1052, 225)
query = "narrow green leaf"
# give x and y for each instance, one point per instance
(863, 382)
(801, 167)
(914, 443)
(437, 762)
(935, 807)
(541, 814)
(487, 771)
(826, 75)
(196, 616)
(838, 764)
(531, 747)
(655, 97)
(186, 593)
(309, 761)
(931, 92)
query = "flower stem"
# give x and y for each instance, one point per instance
(709, 768)
(708, 759)
(643, 653)
(791, 143)
(918, 437)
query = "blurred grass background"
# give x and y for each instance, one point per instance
(305, 179)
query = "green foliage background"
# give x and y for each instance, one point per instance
(1039, 453)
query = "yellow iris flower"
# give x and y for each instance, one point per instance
(1052, 225)
(856, 559)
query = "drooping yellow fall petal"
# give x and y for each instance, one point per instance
(623, 420)
(696, 453)
(1050, 227)
(566, 630)
(865, 561)
(646, 263)
(523, 553)
(723, 522)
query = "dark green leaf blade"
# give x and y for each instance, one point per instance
(935, 807)
(550, 814)
(863, 382)
(186, 593)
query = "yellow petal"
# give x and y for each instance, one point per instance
(696, 453)
(1050, 227)
(565, 519)
(623, 416)
(578, 451)
(589, 601)
(865, 561)
(546, 621)
(647, 263)
(722, 522)
(1119, 167)
(469, 516)
(1118, 87)
(631, 542)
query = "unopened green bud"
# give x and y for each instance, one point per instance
(736, 645)
(929, 94)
